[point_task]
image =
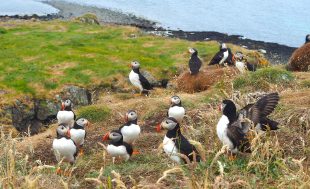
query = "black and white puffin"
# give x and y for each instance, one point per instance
(194, 62)
(63, 146)
(175, 143)
(130, 130)
(242, 64)
(221, 56)
(78, 133)
(231, 129)
(307, 38)
(117, 147)
(66, 115)
(176, 109)
(138, 80)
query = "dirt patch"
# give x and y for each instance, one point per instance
(204, 79)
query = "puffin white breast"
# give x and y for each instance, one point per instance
(130, 133)
(77, 135)
(64, 148)
(116, 151)
(65, 117)
(135, 80)
(171, 149)
(176, 112)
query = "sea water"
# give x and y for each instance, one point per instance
(279, 21)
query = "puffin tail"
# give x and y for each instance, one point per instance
(269, 124)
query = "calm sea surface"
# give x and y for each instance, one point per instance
(284, 22)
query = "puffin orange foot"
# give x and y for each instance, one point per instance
(81, 152)
(232, 157)
(135, 152)
(59, 171)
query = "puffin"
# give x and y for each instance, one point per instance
(232, 129)
(117, 147)
(78, 133)
(176, 110)
(242, 64)
(221, 56)
(194, 62)
(63, 146)
(307, 38)
(66, 116)
(130, 130)
(175, 143)
(138, 80)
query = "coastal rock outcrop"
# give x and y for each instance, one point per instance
(31, 115)
(88, 19)
(300, 59)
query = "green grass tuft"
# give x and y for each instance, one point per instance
(3, 31)
(94, 113)
(262, 78)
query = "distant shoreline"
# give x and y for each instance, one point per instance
(275, 53)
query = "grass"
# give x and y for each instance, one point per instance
(56, 53)
(262, 78)
(94, 113)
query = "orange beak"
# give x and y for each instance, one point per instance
(233, 59)
(62, 106)
(88, 124)
(106, 137)
(220, 108)
(158, 128)
(68, 133)
(129, 65)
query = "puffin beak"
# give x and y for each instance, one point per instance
(106, 137)
(158, 128)
(62, 106)
(88, 124)
(220, 107)
(129, 65)
(234, 59)
(68, 133)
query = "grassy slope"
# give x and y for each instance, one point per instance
(40, 57)
(272, 165)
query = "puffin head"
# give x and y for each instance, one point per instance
(175, 100)
(66, 104)
(168, 123)
(193, 51)
(135, 64)
(308, 38)
(238, 56)
(114, 135)
(131, 115)
(228, 108)
(63, 131)
(83, 122)
(223, 46)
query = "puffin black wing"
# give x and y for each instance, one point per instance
(263, 107)
(230, 59)
(144, 82)
(217, 58)
(186, 148)
(251, 67)
(237, 136)
(128, 148)
(194, 64)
